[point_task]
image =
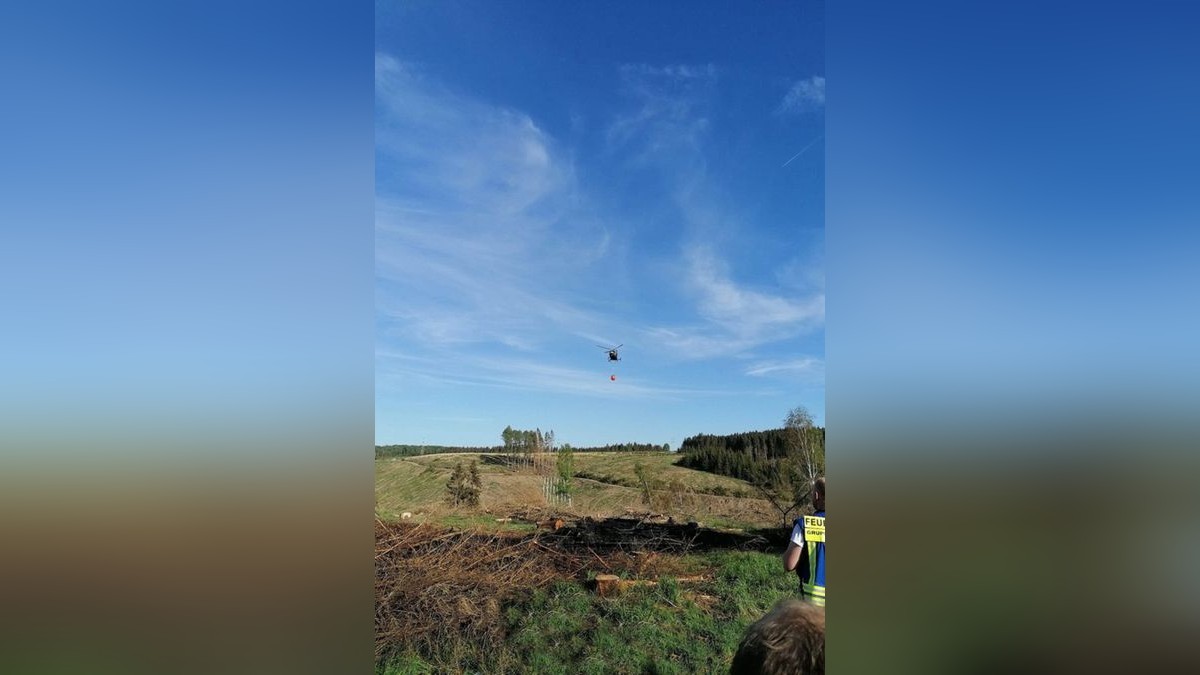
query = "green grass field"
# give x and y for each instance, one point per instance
(669, 628)
(606, 484)
(619, 469)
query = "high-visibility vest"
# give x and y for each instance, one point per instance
(812, 573)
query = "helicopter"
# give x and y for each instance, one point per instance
(612, 351)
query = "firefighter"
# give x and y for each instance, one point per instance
(806, 552)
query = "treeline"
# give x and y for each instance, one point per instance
(385, 451)
(750, 456)
(628, 447)
(515, 445)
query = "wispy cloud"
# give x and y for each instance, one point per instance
(444, 148)
(804, 96)
(808, 368)
(738, 318)
(479, 219)
(698, 341)
(489, 251)
(486, 249)
(743, 310)
(531, 375)
(669, 113)
(667, 127)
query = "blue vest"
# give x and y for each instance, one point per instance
(812, 563)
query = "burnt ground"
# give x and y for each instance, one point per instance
(633, 534)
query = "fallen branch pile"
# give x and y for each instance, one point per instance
(431, 583)
(434, 585)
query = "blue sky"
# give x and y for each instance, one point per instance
(550, 177)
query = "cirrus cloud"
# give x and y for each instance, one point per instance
(805, 96)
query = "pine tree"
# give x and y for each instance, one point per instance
(472, 485)
(509, 437)
(454, 486)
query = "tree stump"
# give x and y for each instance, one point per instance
(607, 585)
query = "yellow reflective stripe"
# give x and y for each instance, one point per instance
(814, 534)
(815, 598)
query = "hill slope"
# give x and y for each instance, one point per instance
(606, 484)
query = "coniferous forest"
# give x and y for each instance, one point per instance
(748, 455)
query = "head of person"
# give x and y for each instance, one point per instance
(789, 639)
(818, 494)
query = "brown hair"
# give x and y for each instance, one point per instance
(790, 640)
(818, 493)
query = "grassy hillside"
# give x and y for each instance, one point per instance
(606, 485)
(619, 469)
